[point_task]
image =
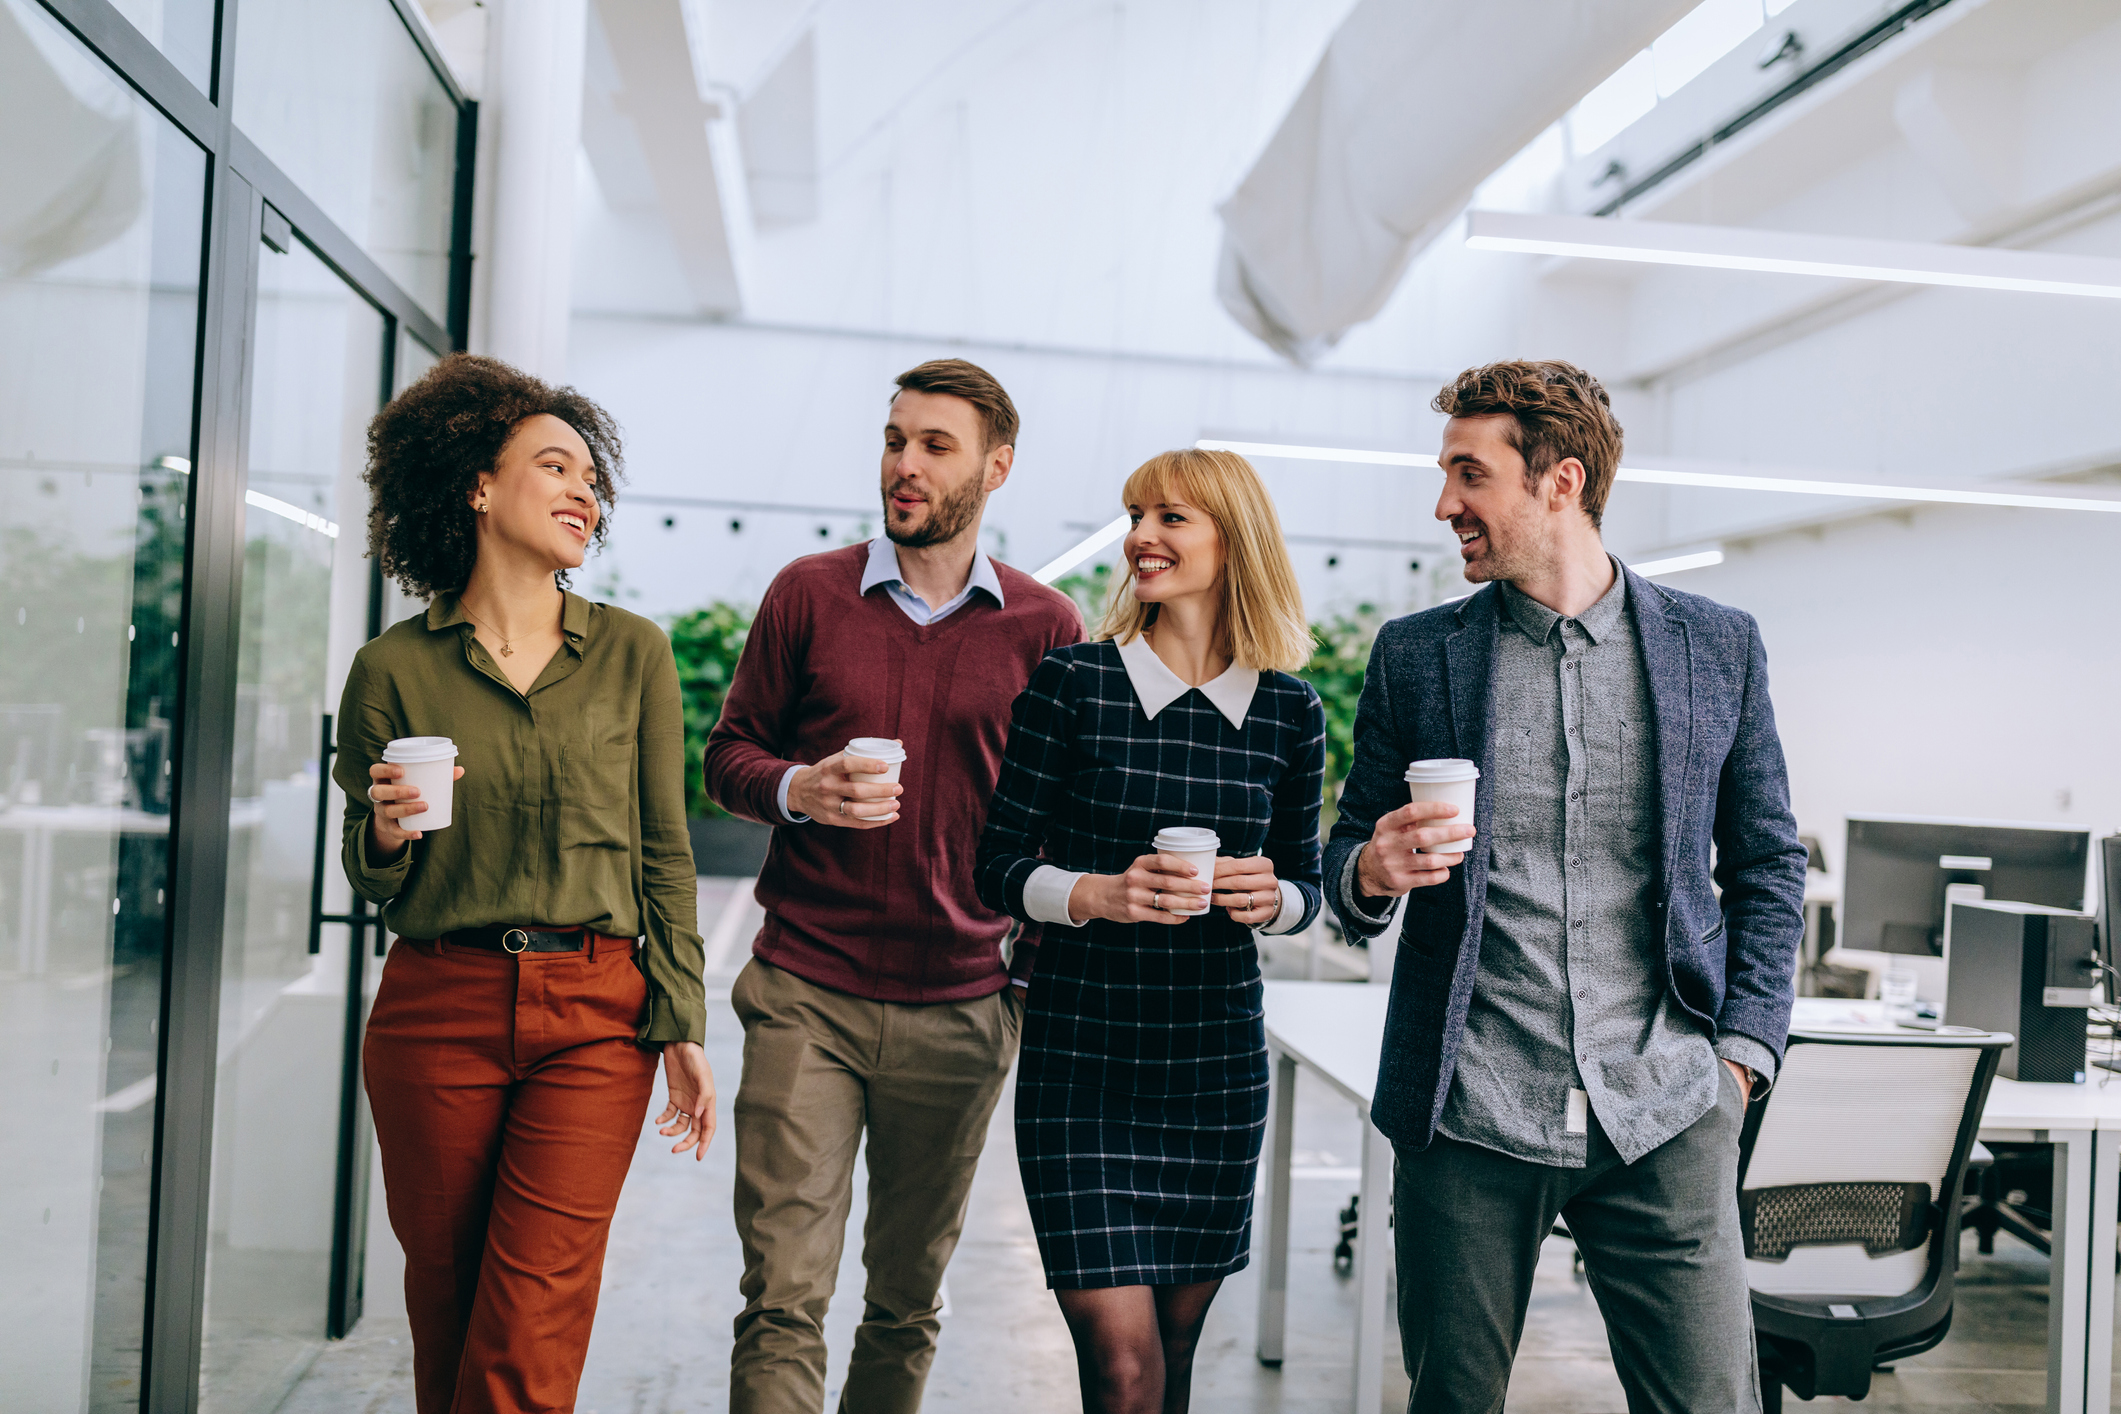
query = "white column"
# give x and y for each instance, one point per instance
(532, 113)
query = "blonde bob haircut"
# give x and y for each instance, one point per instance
(1263, 623)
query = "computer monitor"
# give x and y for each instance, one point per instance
(2109, 901)
(1896, 868)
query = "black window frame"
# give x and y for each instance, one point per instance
(242, 182)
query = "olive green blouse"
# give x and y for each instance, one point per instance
(571, 811)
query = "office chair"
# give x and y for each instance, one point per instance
(1849, 1178)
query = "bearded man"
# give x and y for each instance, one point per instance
(879, 991)
(1583, 1003)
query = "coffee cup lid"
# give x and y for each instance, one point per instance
(876, 748)
(1186, 839)
(412, 750)
(1443, 768)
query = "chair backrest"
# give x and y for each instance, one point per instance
(1849, 1163)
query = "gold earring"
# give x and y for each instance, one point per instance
(482, 508)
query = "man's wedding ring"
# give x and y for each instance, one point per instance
(843, 807)
(1157, 902)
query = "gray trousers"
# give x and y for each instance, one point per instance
(1660, 1244)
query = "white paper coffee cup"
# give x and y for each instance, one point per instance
(1198, 847)
(877, 748)
(1452, 780)
(430, 763)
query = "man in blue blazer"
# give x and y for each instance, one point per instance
(1597, 973)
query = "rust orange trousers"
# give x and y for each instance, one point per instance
(508, 1096)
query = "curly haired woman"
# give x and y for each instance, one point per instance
(547, 945)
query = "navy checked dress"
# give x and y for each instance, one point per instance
(1141, 1096)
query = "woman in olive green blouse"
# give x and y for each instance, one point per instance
(547, 946)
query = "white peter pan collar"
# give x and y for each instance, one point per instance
(1158, 687)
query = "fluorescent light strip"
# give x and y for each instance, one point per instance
(1862, 491)
(292, 512)
(1068, 559)
(1699, 560)
(1653, 476)
(1728, 481)
(1648, 569)
(1795, 253)
(1317, 454)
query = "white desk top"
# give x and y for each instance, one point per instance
(1337, 1028)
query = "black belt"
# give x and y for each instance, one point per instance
(497, 939)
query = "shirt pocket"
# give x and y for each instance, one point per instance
(1620, 776)
(596, 795)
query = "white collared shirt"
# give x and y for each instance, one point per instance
(1157, 687)
(883, 569)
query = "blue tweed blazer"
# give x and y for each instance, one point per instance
(1723, 793)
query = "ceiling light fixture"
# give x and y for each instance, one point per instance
(1673, 564)
(1721, 480)
(1645, 475)
(1068, 559)
(1795, 253)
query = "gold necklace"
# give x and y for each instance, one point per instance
(506, 651)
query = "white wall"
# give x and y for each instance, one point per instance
(1033, 188)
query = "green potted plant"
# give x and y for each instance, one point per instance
(707, 643)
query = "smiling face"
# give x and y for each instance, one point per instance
(1174, 550)
(938, 470)
(1506, 529)
(540, 499)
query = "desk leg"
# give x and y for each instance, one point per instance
(2099, 1244)
(2069, 1265)
(1373, 1268)
(1281, 1142)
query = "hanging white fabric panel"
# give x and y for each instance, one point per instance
(1412, 105)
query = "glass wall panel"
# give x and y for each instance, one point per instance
(317, 378)
(339, 95)
(182, 29)
(100, 226)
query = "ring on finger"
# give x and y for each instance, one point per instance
(1157, 901)
(843, 807)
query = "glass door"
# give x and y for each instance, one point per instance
(102, 213)
(280, 1092)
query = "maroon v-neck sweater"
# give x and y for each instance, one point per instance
(887, 914)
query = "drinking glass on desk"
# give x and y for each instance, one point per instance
(1897, 990)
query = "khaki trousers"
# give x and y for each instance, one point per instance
(819, 1068)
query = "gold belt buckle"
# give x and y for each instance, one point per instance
(511, 935)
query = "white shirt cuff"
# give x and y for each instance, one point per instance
(1292, 911)
(1046, 895)
(781, 799)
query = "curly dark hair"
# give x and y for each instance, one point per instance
(427, 448)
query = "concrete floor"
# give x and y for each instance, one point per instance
(663, 1327)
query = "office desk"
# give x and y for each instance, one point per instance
(1336, 1030)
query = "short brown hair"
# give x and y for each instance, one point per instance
(976, 386)
(1559, 411)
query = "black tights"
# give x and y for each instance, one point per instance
(1134, 1344)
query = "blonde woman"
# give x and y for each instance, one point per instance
(1142, 1093)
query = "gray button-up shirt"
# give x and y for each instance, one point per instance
(1570, 990)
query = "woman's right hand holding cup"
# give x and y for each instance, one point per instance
(1146, 893)
(393, 803)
